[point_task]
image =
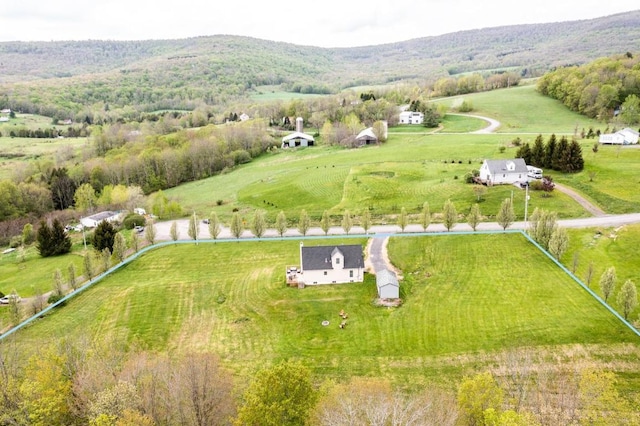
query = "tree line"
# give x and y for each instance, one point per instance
(100, 382)
(604, 89)
(562, 155)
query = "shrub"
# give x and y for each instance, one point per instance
(54, 298)
(466, 106)
(16, 241)
(219, 202)
(133, 220)
(502, 149)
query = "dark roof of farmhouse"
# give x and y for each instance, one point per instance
(319, 257)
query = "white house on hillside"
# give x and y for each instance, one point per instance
(95, 219)
(411, 117)
(496, 172)
(625, 136)
(328, 265)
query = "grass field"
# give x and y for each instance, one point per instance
(404, 172)
(611, 177)
(605, 247)
(230, 299)
(16, 151)
(523, 110)
(29, 121)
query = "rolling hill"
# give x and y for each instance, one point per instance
(215, 69)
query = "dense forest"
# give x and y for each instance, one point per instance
(600, 89)
(74, 79)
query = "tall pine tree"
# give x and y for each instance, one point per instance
(549, 151)
(52, 240)
(537, 152)
(559, 155)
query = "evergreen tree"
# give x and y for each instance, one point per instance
(537, 152)
(573, 160)
(52, 241)
(549, 151)
(558, 161)
(104, 236)
(524, 152)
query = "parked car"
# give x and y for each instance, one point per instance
(7, 299)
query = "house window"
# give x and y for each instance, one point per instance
(504, 175)
(337, 260)
(351, 274)
(325, 272)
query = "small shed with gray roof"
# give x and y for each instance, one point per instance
(388, 285)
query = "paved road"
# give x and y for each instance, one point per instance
(162, 228)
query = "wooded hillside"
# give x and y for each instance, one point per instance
(61, 78)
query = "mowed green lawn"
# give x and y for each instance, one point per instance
(486, 294)
(524, 110)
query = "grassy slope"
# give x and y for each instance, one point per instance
(237, 306)
(405, 172)
(523, 110)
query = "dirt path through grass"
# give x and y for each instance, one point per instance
(590, 207)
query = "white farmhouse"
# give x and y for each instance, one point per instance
(328, 265)
(625, 136)
(411, 117)
(95, 219)
(497, 172)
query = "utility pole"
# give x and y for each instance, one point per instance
(526, 206)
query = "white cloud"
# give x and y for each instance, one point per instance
(321, 23)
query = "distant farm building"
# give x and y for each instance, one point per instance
(298, 138)
(366, 137)
(328, 265)
(411, 117)
(625, 136)
(498, 172)
(94, 220)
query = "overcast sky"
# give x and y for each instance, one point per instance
(327, 23)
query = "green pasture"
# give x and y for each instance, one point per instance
(466, 298)
(35, 273)
(603, 248)
(29, 121)
(523, 110)
(611, 177)
(404, 172)
(16, 151)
